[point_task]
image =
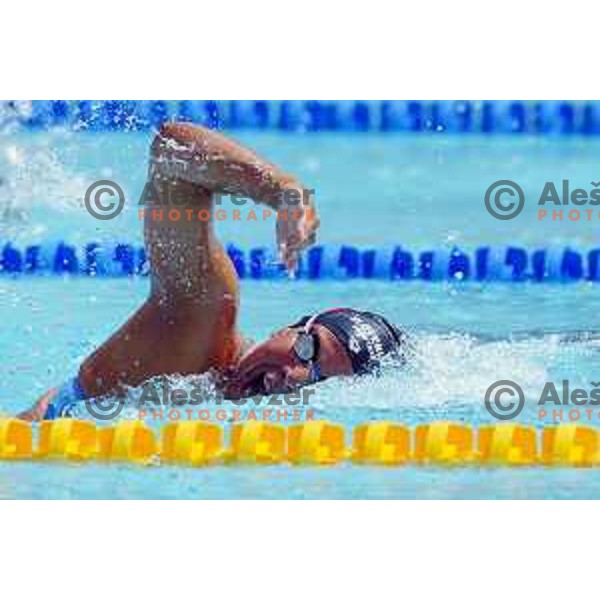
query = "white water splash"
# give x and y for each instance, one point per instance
(34, 178)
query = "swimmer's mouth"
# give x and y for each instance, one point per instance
(257, 387)
(235, 390)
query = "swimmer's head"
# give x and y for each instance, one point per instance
(332, 343)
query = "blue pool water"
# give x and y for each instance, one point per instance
(422, 191)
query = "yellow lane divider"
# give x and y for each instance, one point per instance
(383, 443)
(16, 439)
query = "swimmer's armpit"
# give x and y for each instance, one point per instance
(207, 158)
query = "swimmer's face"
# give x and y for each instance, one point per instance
(273, 367)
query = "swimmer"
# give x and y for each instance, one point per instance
(188, 324)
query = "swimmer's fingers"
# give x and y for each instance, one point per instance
(291, 248)
(309, 237)
(291, 264)
(310, 232)
(297, 242)
(295, 234)
(287, 242)
(309, 241)
(289, 257)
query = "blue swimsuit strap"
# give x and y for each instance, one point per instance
(69, 394)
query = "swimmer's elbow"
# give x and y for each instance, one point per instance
(171, 130)
(181, 132)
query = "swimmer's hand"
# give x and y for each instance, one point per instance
(38, 410)
(298, 229)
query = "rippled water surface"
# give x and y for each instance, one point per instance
(424, 192)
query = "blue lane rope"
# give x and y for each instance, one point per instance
(342, 262)
(487, 117)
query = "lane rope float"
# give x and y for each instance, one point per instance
(384, 443)
(511, 263)
(412, 116)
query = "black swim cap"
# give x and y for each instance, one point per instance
(366, 336)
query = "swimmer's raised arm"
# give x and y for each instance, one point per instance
(207, 158)
(202, 156)
(188, 324)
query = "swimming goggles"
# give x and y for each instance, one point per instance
(306, 348)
